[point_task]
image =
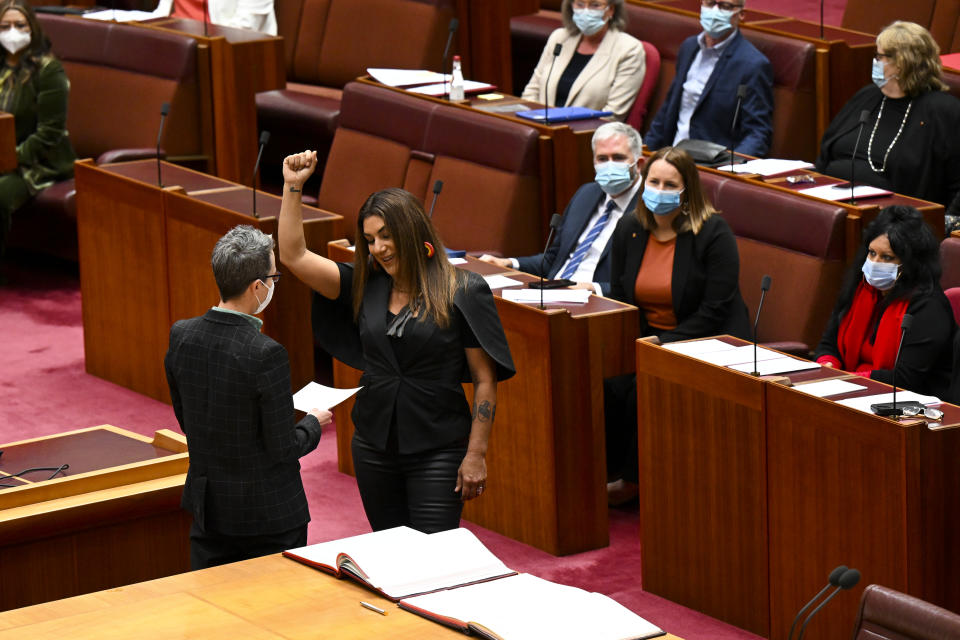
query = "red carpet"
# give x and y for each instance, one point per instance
(46, 390)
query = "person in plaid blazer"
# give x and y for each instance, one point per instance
(230, 387)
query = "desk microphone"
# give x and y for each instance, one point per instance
(741, 94)
(164, 110)
(864, 116)
(892, 408)
(454, 25)
(206, 20)
(437, 188)
(264, 139)
(848, 580)
(555, 221)
(764, 287)
(546, 103)
(833, 580)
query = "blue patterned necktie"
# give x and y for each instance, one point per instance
(584, 247)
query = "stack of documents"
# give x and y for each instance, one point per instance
(737, 358)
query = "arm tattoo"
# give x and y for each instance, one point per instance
(485, 411)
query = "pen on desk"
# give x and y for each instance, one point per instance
(367, 605)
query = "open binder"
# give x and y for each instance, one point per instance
(461, 584)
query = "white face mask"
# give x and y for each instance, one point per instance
(14, 40)
(266, 301)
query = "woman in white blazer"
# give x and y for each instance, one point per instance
(599, 65)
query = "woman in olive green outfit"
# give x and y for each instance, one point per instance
(34, 88)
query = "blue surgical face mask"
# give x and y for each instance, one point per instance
(614, 177)
(877, 73)
(880, 275)
(589, 21)
(660, 203)
(715, 21)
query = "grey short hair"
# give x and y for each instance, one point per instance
(618, 22)
(611, 129)
(240, 257)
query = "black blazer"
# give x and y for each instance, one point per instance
(230, 386)
(416, 387)
(706, 271)
(582, 206)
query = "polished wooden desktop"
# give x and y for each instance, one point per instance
(8, 143)
(268, 597)
(145, 263)
(546, 461)
(752, 492)
(110, 518)
(242, 63)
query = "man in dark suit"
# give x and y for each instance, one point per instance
(702, 98)
(230, 386)
(580, 250)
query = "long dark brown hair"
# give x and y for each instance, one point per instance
(431, 281)
(32, 57)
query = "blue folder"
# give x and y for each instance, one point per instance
(563, 114)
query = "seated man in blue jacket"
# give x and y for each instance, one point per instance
(703, 95)
(580, 250)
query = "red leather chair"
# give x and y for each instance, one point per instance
(886, 614)
(638, 112)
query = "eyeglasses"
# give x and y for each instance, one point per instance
(877, 56)
(19, 26)
(275, 276)
(724, 6)
(595, 5)
(926, 412)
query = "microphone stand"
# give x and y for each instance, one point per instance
(893, 410)
(546, 103)
(833, 580)
(848, 580)
(264, 139)
(764, 287)
(206, 19)
(437, 188)
(164, 110)
(555, 221)
(864, 116)
(741, 94)
(454, 24)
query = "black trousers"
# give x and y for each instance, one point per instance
(209, 549)
(620, 416)
(415, 490)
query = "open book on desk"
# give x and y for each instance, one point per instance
(402, 562)
(523, 606)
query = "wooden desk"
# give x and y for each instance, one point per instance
(268, 597)
(112, 518)
(566, 158)
(8, 143)
(546, 462)
(752, 492)
(145, 263)
(243, 63)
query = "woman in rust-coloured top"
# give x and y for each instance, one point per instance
(677, 261)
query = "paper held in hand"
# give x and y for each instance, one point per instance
(317, 396)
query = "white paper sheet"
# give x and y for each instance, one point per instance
(439, 89)
(738, 355)
(863, 402)
(457, 260)
(776, 366)
(830, 192)
(827, 388)
(405, 77)
(767, 166)
(695, 347)
(120, 15)
(532, 296)
(499, 282)
(317, 396)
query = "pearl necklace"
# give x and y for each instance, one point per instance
(883, 168)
